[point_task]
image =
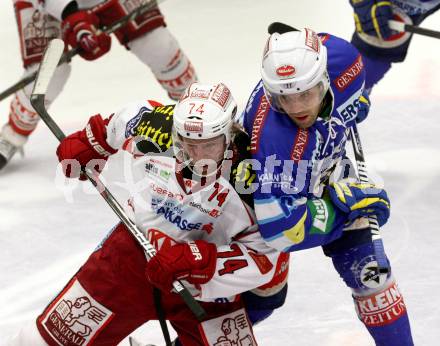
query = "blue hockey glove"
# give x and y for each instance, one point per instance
(371, 17)
(363, 107)
(359, 200)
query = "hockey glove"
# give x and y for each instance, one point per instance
(194, 262)
(80, 31)
(358, 200)
(85, 145)
(371, 17)
(363, 107)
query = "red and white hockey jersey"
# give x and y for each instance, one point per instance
(177, 207)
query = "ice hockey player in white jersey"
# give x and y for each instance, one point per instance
(77, 23)
(185, 202)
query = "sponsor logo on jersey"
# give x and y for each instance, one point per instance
(381, 308)
(133, 122)
(312, 40)
(161, 163)
(211, 212)
(164, 192)
(279, 278)
(193, 126)
(75, 318)
(165, 175)
(321, 218)
(349, 75)
(221, 95)
(150, 168)
(300, 144)
(285, 71)
(154, 126)
(260, 118)
(181, 222)
(349, 109)
(277, 180)
(263, 263)
(208, 228)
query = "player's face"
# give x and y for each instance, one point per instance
(203, 152)
(303, 108)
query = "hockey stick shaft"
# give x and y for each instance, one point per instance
(379, 250)
(67, 56)
(45, 72)
(414, 29)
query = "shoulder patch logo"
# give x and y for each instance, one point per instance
(260, 118)
(301, 139)
(350, 74)
(133, 122)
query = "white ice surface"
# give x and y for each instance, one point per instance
(44, 237)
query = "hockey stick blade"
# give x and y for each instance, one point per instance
(47, 67)
(45, 73)
(46, 70)
(413, 29)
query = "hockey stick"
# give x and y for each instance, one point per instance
(45, 72)
(414, 29)
(67, 56)
(379, 251)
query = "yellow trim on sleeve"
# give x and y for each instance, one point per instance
(367, 202)
(296, 234)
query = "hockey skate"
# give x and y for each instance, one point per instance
(10, 143)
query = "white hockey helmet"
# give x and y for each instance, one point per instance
(205, 111)
(293, 62)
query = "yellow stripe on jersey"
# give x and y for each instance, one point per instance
(296, 234)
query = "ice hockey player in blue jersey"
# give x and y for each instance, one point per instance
(298, 118)
(379, 45)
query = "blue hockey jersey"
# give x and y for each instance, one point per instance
(292, 164)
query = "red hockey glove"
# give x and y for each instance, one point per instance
(86, 145)
(194, 262)
(80, 31)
